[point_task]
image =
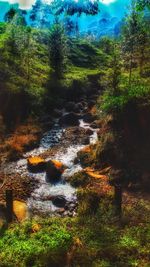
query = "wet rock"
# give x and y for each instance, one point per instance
(57, 113)
(70, 119)
(36, 164)
(88, 131)
(60, 211)
(71, 207)
(70, 106)
(59, 201)
(88, 117)
(91, 103)
(86, 140)
(54, 170)
(95, 124)
(78, 107)
(74, 214)
(76, 135)
(84, 103)
(84, 157)
(70, 214)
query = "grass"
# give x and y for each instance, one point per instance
(35, 244)
(94, 238)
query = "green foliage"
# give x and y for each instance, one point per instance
(142, 4)
(2, 27)
(135, 40)
(71, 7)
(115, 73)
(88, 202)
(138, 92)
(24, 70)
(39, 8)
(93, 238)
(57, 49)
(85, 54)
(10, 15)
(107, 45)
(23, 246)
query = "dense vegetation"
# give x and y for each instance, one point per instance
(40, 70)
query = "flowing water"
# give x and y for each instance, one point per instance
(39, 199)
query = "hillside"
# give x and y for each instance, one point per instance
(75, 139)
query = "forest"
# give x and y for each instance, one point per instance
(75, 133)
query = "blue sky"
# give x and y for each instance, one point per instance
(28, 3)
(115, 8)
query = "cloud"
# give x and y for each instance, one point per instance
(24, 4)
(107, 2)
(27, 4)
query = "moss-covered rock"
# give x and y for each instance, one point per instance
(85, 156)
(79, 179)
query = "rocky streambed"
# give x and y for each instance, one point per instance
(70, 133)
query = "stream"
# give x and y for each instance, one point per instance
(39, 200)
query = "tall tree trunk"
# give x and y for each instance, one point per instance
(141, 61)
(130, 69)
(118, 200)
(9, 206)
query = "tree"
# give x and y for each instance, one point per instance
(69, 25)
(130, 38)
(116, 70)
(16, 54)
(57, 49)
(75, 8)
(107, 45)
(71, 7)
(40, 14)
(10, 15)
(142, 42)
(142, 4)
(17, 16)
(135, 39)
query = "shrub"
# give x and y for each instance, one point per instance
(139, 91)
(88, 201)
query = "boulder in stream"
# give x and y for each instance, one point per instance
(70, 106)
(36, 164)
(59, 201)
(70, 119)
(95, 124)
(88, 117)
(54, 170)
